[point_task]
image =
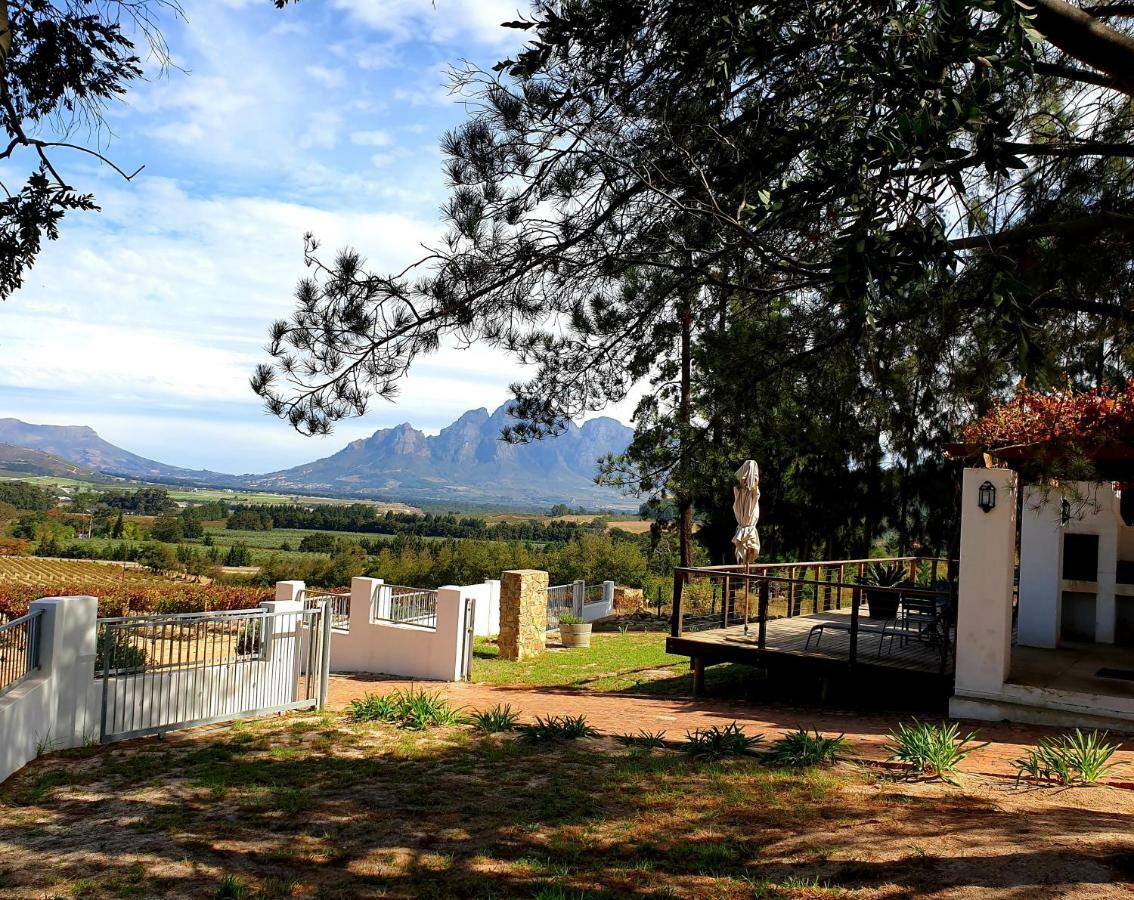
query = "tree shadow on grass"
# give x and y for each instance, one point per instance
(319, 805)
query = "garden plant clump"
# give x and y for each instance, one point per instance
(800, 749)
(929, 749)
(1081, 757)
(716, 742)
(558, 728)
(413, 708)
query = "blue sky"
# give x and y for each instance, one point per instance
(146, 319)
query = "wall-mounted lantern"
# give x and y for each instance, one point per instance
(986, 496)
(1064, 512)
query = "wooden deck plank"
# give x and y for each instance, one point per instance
(788, 637)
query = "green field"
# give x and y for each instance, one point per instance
(198, 495)
(271, 540)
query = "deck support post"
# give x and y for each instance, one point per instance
(676, 621)
(698, 676)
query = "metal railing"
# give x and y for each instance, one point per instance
(593, 593)
(409, 606)
(19, 648)
(830, 596)
(560, 599)
(128, 644)
(338, 602)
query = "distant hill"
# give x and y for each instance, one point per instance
(82, 446)
(466, 463)
(23, 461)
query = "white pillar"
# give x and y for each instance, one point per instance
(365, 601)
(608, 597)
(448, 650)
(67, 654)
(1041, 569)
(984, 610)
(290, 590)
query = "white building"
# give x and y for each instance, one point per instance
(1059, 650)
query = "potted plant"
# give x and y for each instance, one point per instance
(573, 631)
(883, 604)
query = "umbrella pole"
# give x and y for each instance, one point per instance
(747, 573)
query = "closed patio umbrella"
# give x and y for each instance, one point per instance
(746, 508)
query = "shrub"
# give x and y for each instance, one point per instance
(1081, 756)
(499, 718)
(929, 749)
(415, 709)
(123, 655)
(800, 750)
(568, 618)
(644, 739)
(716, 742)
(556, 728)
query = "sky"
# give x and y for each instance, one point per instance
(146, 319)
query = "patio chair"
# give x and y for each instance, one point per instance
(921, 618)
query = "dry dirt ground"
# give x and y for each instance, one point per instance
(310, 805)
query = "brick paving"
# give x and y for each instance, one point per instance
(621, 713)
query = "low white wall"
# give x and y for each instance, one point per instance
(592, 612)
(408, 651)
(48, 710)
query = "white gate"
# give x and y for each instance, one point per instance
(160, 673)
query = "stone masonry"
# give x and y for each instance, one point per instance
(523, 613)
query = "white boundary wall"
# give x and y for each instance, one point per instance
(49, 709)
(408, 651)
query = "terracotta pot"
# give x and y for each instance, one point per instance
(575, 635)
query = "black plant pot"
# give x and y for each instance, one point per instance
(882, 604)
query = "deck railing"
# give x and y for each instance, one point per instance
(714, 597)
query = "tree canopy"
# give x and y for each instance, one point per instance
(894, 207)
(61, 62)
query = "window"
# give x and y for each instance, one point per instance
(1081, 557)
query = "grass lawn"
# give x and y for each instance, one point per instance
(613, 662)
(316, 806)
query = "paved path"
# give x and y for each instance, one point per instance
(621, 713)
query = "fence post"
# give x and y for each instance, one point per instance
(325, 656)
(578, 596)
(608, 597)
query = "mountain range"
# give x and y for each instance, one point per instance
(465, 463)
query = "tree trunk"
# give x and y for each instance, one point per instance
(1085, 38)
(684, 419)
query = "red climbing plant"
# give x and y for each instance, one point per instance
(1080, 422)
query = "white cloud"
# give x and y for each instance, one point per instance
(373, 138)
(332, 78)
(441, 21)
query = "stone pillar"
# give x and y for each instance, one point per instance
(523, 613)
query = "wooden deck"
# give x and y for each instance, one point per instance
(786, 641)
